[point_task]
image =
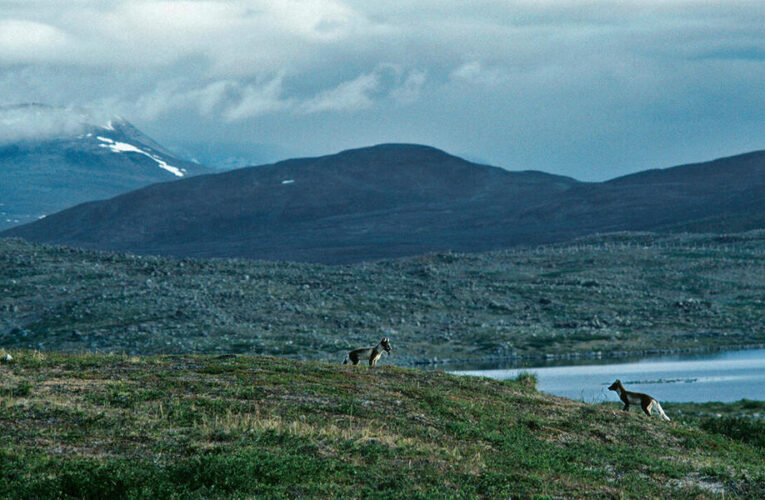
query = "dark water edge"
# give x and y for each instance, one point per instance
(575, 358)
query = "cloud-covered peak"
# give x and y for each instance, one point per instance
(33, 121)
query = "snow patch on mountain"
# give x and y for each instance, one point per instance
(123, 147)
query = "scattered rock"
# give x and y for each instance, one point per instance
(688, 305)
(596, 322)
(17, 331)
(566, 324)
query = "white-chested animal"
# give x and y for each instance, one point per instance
(371, 353)
(645, 401)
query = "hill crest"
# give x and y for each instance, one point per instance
(394, 200)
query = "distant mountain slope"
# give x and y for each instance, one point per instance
(733, 188)
(388, 200)
(71, 161)
(394, 200)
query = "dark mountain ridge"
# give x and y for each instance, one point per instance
(393, 200)
(661, 197)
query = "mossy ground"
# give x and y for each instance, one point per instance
(119, 426)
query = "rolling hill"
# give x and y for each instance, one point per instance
(116, 426)
(395, 200)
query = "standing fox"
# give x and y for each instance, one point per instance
(646, 402)
(372, 353)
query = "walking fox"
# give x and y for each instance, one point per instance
(645, 401)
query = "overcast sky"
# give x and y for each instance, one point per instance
(591, 89)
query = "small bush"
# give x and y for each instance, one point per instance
(749, 404)
(21, 390)
(741, 429)
(527, 381)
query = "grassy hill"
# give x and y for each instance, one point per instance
(611, 293)
(117, 426)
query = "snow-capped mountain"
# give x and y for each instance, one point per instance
(53, 158)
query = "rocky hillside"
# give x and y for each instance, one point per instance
(612, 293)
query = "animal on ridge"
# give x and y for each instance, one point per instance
(645, 401)
(371, 353)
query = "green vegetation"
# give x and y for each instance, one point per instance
(611, 293)
(745, 408)
(743, 420)
(120, 426)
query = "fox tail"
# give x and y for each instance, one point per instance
(661, 411)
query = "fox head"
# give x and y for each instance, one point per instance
(615, 385)
(385, 343)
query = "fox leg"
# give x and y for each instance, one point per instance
(647, 408)
(373, 358)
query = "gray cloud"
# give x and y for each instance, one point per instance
(31, 42)
(40, 122)
(585, 88)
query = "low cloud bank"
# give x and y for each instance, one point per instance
(29, 122)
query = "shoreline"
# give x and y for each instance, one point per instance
(580, 356)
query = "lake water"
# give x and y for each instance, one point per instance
(723, 376)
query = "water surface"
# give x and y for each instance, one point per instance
(723, 376)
